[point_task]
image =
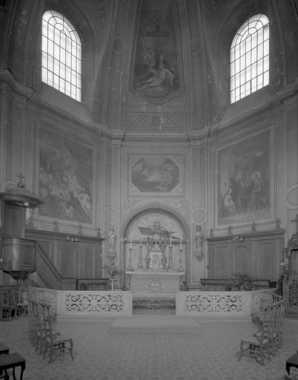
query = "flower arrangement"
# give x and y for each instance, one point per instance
(112, 269)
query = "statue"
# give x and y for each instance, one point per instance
(199, 239)
(112, 240)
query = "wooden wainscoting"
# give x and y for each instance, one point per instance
(258, 254)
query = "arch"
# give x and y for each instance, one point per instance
(157, 208)
(153, 207)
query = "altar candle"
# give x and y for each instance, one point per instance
(180, 243)
(140, 240)
(131, 242)
(170, 240)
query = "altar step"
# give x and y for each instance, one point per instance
(154, 305)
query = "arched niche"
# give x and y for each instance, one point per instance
(142, 224)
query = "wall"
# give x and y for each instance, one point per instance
(94, 146)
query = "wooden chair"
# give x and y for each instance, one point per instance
(257, 317)
(22, 303)
(53, 340)
(8, 307)
(36, 325)
(274, 326)
(258, 345)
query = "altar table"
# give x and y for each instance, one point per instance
(154, 282)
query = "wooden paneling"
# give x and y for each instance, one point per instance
(266, 260)
(73, 260)
(68, 259)
(258, 254)
(220, 261)
(241, 257)
(88, 261)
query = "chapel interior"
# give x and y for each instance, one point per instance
(148, 142)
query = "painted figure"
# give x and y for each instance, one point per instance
(238, 189)
(256, 193)
(229, 205)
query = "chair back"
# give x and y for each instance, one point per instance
(4, 298)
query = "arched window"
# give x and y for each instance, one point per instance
(61, 55)
(249, 58)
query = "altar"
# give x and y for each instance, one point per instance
(154, 283)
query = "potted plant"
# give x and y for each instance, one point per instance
(242, 281)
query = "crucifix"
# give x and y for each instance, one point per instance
(157, 32)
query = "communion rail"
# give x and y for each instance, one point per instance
(222, 303)
(71, 304)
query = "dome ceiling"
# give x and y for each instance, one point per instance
(148, 65)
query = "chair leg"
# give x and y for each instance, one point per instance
(71, 348)
(241, 350)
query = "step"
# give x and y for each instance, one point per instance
(154, 305)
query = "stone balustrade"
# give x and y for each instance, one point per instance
(71, 304)
(225, 303)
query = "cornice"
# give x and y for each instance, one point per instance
(279, 99)
(156, 136)
(6, 77)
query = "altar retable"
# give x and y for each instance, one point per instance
(155, 274)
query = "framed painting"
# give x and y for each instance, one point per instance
(65, 178)
(245, 170)
(155, 175)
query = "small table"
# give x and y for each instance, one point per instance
(292, 362)
(4, 350)
(12, 361)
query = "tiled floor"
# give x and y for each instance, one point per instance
(210, 355)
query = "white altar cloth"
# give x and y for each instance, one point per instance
(158, 283)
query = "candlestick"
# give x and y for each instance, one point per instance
(140, 263)
(129, 267)
(180, 269)
(170, 262)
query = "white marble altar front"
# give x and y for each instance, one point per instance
(157, 283)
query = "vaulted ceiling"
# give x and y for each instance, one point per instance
(125, 40)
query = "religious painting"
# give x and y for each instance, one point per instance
(156, 69)
(65, 178)
(154, 175)
(244, 181)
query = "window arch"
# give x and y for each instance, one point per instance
(249, 58)
(61, 61)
